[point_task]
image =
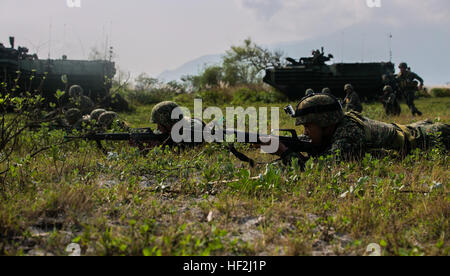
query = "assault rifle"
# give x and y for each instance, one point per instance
(293, 143)
(137, 135)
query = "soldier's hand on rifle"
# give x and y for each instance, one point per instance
(281, 147)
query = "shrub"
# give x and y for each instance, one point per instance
(216, 96)
(440, 92)
(147, 97)
(422, 94)
(245, 95)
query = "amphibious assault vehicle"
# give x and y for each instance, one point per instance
(312, 72)
(24, 72)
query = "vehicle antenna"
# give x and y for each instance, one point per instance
(342, 47)
(390, 47)
(49, 38)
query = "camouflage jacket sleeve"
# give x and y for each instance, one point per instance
(414, 76)
(352, 102)
(347, 142)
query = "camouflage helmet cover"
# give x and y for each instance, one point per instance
(75, 91)
(403, 65)
(107, 118)
(73, 115)
(348, 86)
(387, 88)
(95, 114)
(162, 113)
(323, 118)
(326, 90)
(309, 91)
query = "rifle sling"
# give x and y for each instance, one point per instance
(245, 158)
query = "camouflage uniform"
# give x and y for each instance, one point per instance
(352, 101)
(72, 116)
(84, 123)
(108, 119)
(390, 102)
(95, 114)
(83, 103)
(355, 135)
(309, 91)
(391, 81)
(408, 86)
(162, 115)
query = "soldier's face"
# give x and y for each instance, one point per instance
(314, 132)
(164, 129)
(403, 69)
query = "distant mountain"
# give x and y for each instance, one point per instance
(193, 67)
(425, 48)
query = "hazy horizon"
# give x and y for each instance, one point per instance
(155, 36)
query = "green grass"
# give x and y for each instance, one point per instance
(206, 202)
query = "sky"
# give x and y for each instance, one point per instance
(156, 35)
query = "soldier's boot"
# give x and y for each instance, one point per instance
(416, 111)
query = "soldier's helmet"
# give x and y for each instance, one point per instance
(73, 115)
(106, 119)
(309, 91)
(348, 86)
(403, 65)
(75, 91)
(321, 109)
(326, 90)
(387, 88)
(162, 114)
(95, 114)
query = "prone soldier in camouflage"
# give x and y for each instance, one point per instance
(95, 114)
(108, 120)
(352, 100)
(309, 91)
(162, 116)
(326, 90)
(83, 103)
(348, 136)
(389, 79)
(407, 84)
(390, 102)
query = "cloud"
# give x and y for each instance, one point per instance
(263, 9)
(307, 18)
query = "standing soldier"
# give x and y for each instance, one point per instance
(352, 101)
(408, 86)
(390, 102)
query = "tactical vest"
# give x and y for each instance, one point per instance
(380, 135)
(406, 81)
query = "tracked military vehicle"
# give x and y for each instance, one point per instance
(313, 72)
(22, 72)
